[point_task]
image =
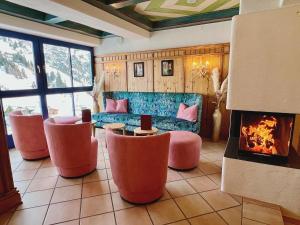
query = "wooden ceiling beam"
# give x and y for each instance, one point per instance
(86, 14)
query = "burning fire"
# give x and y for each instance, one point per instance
(259, 137)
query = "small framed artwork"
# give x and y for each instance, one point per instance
(138, 68)
(167, 67)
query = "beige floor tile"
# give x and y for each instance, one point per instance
(232, 216)
(22, 185)
(96, 205)
(113, 186)
(133, 216)
(208, 219)
(193, 205)
(262, 214)
(214, 156)
(62, 182)
(66, 193)
(209, 168)
(47, 163)
(239, 199)
(203, 183)
(165, 212)
(216, 177)
(179, 188)
(95, 176)
(173, 175)
(95, 188)
(246, 221)
(46, 172)
(107, 164)
(42, 184)
(24, 175)
(29, 165)
(119, 203)
(100, 164)
(33, 216)
(109, 175)
(73, 222)
(219, 200)
(183, 222)
(61, 212)
(37, 198)
(104, 219)
(165, 195)
(191, 173)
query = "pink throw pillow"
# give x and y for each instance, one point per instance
(116, 106)
(187, 113)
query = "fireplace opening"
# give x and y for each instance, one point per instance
(266, 134)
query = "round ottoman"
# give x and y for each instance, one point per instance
(184, 150)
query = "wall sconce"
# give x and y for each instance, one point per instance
(113, 70)
(200, 69)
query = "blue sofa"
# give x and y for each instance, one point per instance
(162, 106)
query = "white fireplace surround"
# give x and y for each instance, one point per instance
(264, 76)
(264, 70)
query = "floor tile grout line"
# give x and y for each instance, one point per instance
(112, 202)
(49, 202)
(23, 194)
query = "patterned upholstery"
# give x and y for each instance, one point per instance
(162, 106)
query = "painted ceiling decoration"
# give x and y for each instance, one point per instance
(151, 15)
(157, 10)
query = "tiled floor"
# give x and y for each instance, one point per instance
(191, 197)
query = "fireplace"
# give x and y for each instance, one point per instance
(266, 134)
(261, 136)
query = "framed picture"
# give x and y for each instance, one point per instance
(167, 67)
(138, 68)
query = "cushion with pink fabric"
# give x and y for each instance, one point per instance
(66, 119)
(184, 150)
(188, 113)
(116, 106)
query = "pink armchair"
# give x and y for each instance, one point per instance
(72, 149)
(139, 165)
(28, 134)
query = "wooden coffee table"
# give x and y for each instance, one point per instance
(139, 131)
(115, 126)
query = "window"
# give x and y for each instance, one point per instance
(57, 66)
(67, 67)
(39, 75)
(17, 67)
(60, 105)
(82, 100)
(28, 105)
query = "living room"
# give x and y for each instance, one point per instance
(129, 112)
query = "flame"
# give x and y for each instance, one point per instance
(259, 137)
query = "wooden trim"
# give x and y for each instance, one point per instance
(223, 48)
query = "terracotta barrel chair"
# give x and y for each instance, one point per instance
(139, 165)
(72, 149)
(28, 134)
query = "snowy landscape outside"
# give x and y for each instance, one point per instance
(64, 67)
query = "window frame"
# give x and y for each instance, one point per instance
(42, 89)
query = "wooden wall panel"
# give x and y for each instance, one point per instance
(173, 83)
(184, 79)
(194, 83)
(115, 76)
(142, 84)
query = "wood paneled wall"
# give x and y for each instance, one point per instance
(118, 70)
